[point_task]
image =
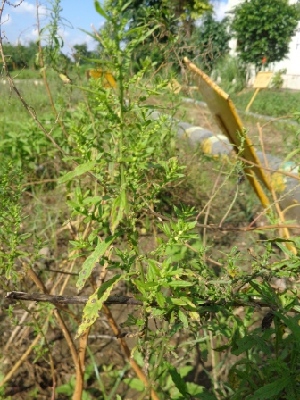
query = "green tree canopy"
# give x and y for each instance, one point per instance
(211, 41)
(81, 53)
(20, 56)
(263, 29)
(171, 23)
(184, 11)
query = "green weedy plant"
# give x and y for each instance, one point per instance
(11, 217)
(277, 80)
(268, 365)
(211, 41)
(26, 144)
(127, 153)
(130, 158)
(125, 162)
(233, 74)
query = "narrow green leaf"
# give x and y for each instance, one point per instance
(222, 348)
(279, 240)
(81, 169)
(106, 285)
(100, 10)
(244, 344)
(270, 390)
(140, 286)
(92, 200)
(90, 262)
(149, 33)
(178, 381)
(119, 209)
(153, 272)
(160, 299)
(126, 5)
(264, 289)
(150, 285)
(179, 302)
(183, 318)
(95, 303)
(291, 322)
(179, 283)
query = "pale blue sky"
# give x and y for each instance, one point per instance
(19, 22)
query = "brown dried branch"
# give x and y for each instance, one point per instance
(247, 228)
(80, 366)
(249, 302)
(68, 299)
(117, 332)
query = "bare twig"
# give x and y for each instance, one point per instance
(247, 228)
(225, 228)
(265, 168)
(284, 232)
(69, 299)
(209, 203)
(230, 206)
(251, 301)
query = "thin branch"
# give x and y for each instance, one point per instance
(225, 228)
(251, 301)
(284, 232)
(80, 366)
(247, 228)
(263, 167)
(208, 205)
(134, 365)
(69, 299)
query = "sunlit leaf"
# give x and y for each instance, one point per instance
(179, 301)
(100, 10)
(126, 5)
(183, 318)
(194, 316)
(119, 209)
(160, 299)
(65, 78)
(135, 383)
(81, 169)
(153, 272)
(90, 262)
(95, 303)
(179, 283)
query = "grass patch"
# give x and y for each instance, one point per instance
(272, 102)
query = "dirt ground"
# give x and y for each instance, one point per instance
(277, 137)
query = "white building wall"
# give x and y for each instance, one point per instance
(291, 63)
